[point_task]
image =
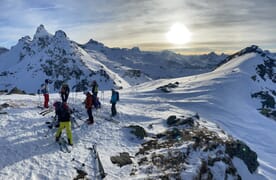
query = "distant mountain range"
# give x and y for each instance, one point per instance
(46, 56)
(137, 66)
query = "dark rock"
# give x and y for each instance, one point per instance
(81, 174)
(267, 99)
(138, 131)
(15, 90)
(3, 91)
(4, 105)
(175, 133)
(121, 160)
(172, 120)
(167, 88)
(242, 151)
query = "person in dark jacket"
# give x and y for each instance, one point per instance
(113, 101)
(63, 113)
(95, 88)
(88, 106)
(64, 92)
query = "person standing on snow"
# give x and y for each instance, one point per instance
(113, 101)
(63, 113)
(45, 90)
(64, 92)
(88, 106)
(95, 90)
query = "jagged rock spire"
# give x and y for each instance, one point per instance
(41, 32)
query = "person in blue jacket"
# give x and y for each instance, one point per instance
(113, 101)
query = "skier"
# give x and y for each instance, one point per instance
(64, 92)
(95, 90)
(57, 105)
(88, 106)
(45, 90)
(113, 101)
(63, 113)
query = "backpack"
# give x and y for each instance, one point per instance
(43, 89)
(63, 112)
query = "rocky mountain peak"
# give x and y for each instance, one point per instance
(25, 39)
(250, 49)
(41, 32)
(60, 34)
(92, 44)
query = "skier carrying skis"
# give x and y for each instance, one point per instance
(45, 90)
(63, 113)
(113, 101)
(88, 106)
(64, 92)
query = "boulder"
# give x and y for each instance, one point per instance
(242, 151)
(121, 160)
(138, 131)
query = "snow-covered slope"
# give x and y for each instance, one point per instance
(137, 66)
(224, 96)
(195, 149)
(54, 57)
(27, 153)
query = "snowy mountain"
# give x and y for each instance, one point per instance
(206, 126)
(227, 96)
(54, 57)
(3, 50)
(137, 66)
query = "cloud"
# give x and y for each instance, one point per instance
(127, 23)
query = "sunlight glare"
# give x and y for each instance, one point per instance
(178, 34)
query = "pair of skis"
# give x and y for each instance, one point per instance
(64, 146)
(46, 111)
(99, 170)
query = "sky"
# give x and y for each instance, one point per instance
(215, 25)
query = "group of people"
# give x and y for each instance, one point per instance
(63, 111)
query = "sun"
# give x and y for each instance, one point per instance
(179, 34)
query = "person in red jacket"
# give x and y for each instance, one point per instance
(88, 106)
(45, 90)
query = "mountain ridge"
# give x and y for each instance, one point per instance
(54, 57)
